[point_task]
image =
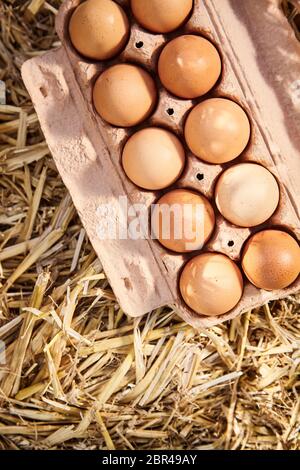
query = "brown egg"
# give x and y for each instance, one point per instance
(99, 29)
(124, 95)
(271, 259)
(247, 194)
(183, 220)
(217, 130)
(153, 158)
(211, 284)
(189, 66)
(161, 16)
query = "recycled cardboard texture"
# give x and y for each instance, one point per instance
(261, 65)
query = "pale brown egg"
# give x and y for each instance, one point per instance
(161, 16)
(183, 220)
(211, 284)
(99, 29)
(217, 130)
(271, 259)
(124, 95)
(153, 158)
(247, 194)
(189, 66)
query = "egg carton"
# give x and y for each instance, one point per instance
(260, 72)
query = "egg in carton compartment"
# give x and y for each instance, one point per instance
(87, 150)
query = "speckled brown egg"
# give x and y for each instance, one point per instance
(124, 95)
(189, 66)
(217, 130)
(99, 29)
(161, 16)
(247, 194)
(153, 158)
(211, 284)
(183, 220)
(271, 259)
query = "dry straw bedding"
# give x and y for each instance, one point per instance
(80, 374)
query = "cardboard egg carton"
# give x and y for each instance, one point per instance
(261, 67)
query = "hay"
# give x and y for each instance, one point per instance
(80, 374)
(291, 9)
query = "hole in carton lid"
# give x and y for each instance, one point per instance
(170, 111)
(200, 176)
(139, 44)
(43, 91)
(231, 243)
